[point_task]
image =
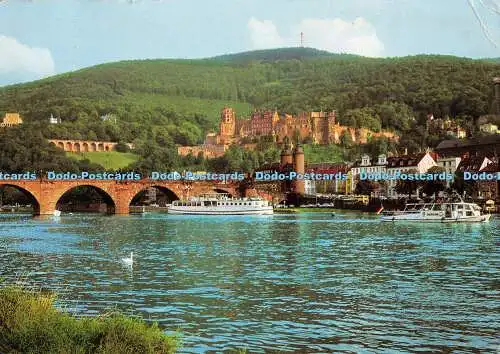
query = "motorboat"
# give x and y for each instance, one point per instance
(438, 212)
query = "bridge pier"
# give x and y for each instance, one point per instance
(122, 207)
(47, 203)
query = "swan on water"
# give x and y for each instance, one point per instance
(129, 261)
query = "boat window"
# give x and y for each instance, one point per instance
(467, 207)
(460, 207)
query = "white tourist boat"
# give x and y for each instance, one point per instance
(444, 212)
(221, 204)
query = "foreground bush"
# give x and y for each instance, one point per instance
(29, 323)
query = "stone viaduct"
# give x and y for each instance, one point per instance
(84, 145)
(46, 194)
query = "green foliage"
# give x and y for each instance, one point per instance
(378, 146)
(23, 149)
(294, 79)
(271, 55)
(362, 117)
(322, 153)
(29, 323)
(122, 147)
(431, 188)
(407, 186)
(461, 186)
(167, 102)
(346, 140)
(109, 160)
(365, 187)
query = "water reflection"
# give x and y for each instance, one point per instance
(298, 282)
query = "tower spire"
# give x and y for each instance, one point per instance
(302, 39)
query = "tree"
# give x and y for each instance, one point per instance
(122, 147)
(407, 186)
(432, 187)
(346, 140)
(464, 187)
(365, 187)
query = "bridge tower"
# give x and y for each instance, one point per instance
(299, 167)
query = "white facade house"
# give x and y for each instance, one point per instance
(420, 163)
(108, 118)
(367, 166)
(309, 187)
(54, 120)
(450, 165)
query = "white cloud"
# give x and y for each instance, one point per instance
(264, 34)
(334, 35)
(19, 58)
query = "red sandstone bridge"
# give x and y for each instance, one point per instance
(45, 194)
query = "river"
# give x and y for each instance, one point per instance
(305, 282)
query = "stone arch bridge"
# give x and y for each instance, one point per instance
(45, 194)
(85, 145)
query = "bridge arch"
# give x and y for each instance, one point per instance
(65, 199)
(60, 145)
(85, 147)
(136, 197)
(77, 147)
(29, 194)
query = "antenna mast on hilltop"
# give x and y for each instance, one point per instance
(302, 39)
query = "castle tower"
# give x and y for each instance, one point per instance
(227, 123)
(299, 167)
(496, 82)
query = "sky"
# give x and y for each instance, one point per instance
(40, 38)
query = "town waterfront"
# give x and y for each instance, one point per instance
(290, 282)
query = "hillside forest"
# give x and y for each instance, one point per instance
(159, 104)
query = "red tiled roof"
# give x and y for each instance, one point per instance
(492, 167)
(472, 164)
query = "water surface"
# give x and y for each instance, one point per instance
(301, 282)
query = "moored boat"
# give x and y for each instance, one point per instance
(221, 204)
(442, 212)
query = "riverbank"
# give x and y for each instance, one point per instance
(308, 210)
(30, 323)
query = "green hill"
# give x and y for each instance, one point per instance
(177, 101)
(272, 55)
